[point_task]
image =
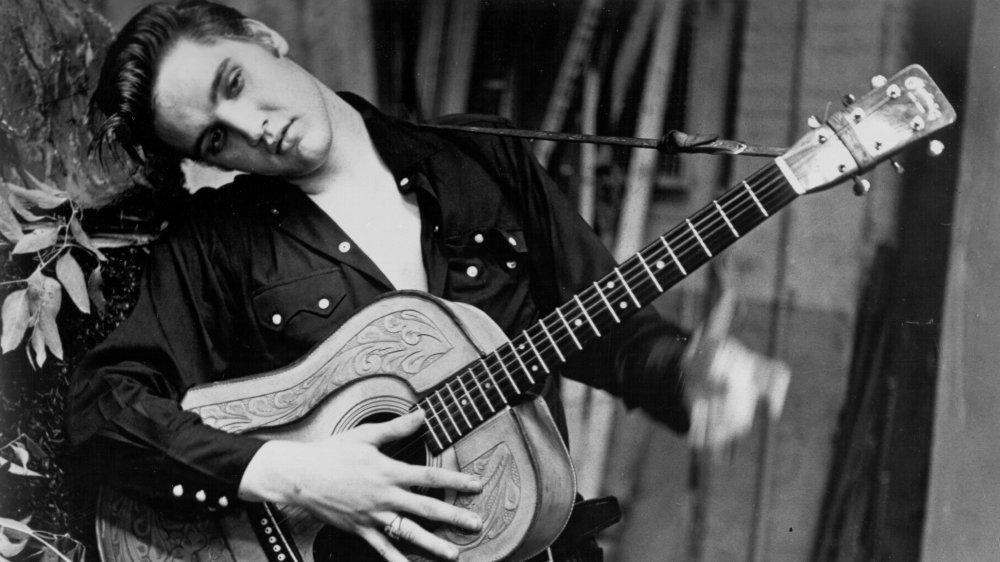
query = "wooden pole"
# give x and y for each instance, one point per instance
(572, 64)
(463, 28)
(639, 30)
(432, 21)
(635, 206)
(652, 108)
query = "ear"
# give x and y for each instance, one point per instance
(267, 37)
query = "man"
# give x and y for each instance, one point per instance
(341, 204)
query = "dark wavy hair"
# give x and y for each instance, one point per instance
(124, 93)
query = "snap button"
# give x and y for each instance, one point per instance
(436, 228)
(344, 247)
(324, 303)
(178, 491)
(276, 319)
(512, 241)
(274, 211)
(403, 182)
(200, 495)
(223, 501)
(472, 271)
(478, 238)
(512, 265)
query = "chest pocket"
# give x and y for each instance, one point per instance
(488, 269)
(302, 311)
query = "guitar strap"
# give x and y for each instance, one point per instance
(272, 534)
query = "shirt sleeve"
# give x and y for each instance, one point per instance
(639, 360)
(124, 418)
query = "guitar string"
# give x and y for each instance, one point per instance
(448, 404)
(764, 192)
(725, 201)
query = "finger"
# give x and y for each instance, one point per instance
(413, 533)
(382, 433)
(437, 477)
(437, 510)
(382, 545)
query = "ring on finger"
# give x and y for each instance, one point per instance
(394, 529)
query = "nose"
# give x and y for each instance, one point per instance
(243, 119)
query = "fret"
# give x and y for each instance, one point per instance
(629, 289)
(430, 429)
(469, 398)
(569, 329)
(583, 310)
(475, 379)
(497, 387)
(435, 414)
(541, 322)
(650, 272)
(725, 218)
(698, 236)
(755, 200)
(674, 256)
(521, 362)
(538, 355)
(513, 383)
(461, 410)
(608, 304)
(505, 370)
(448, 413)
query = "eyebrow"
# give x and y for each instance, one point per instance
(213, 97)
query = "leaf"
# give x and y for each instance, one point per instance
(37, 240)
(22, 454)
(14, 536)
(35, 449)
(18, 470)
(83, 238)
(49, 301)
(9, 225)
(35, 183)
(95, 288)
(37, 197)
(38, 346)
(69, 273)
(18, 205)
(15, 315)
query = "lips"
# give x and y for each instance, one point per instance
(282, 140)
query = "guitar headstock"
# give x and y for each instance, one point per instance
(898, 112)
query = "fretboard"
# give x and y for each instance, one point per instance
(500, 379)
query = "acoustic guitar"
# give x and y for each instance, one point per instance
(411, 349)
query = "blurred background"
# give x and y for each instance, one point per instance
(885, 306)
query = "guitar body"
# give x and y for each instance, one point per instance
(375, 367)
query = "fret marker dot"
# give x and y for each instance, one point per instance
(464, 402)
(488, 385)
(660, 264)
(623, 304)
(611, 285)
(521, 346)
(578, 322)
(534, 367)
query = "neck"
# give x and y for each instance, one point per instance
(352, 154)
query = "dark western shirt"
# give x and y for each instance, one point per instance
(253, 275)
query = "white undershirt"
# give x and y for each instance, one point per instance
(383, 222)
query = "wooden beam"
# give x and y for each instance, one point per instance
(577, 50)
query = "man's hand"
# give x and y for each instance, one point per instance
(725, 380)
(346, 482)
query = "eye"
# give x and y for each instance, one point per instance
(216, 140)
(235, 83)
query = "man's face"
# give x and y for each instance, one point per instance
(234, 104)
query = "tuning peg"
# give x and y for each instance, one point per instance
(897, 166)
(813, 122)
(847, 100)
(935, 148)
(878, 81)
(861, 185)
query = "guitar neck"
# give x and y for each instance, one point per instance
(501, 378)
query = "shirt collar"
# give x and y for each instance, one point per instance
(397, 141)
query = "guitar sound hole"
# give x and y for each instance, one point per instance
(332, 544)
